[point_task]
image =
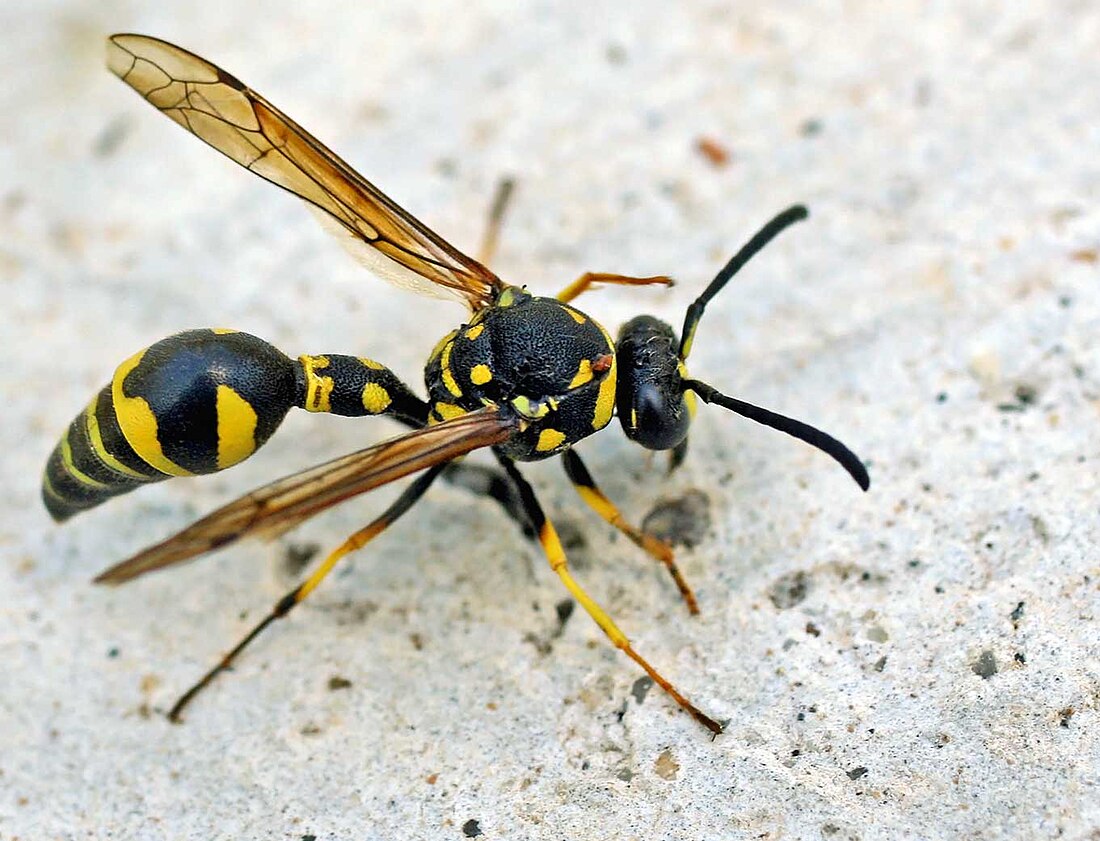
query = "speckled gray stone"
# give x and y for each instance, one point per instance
(922, 661)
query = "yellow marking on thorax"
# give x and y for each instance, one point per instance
(442, 343)
(448, 410)
(583, 375)
(370, 363)
(474, 331)
(375, 398)
(605, 400)
(318, 388)
(95, 437)
(549, 439)
(507, 298)
(236, 427)
(580, 318)
(525, 407)
(223, 331)
(480, 374)
(448, 377)
(73, 470)
(138, 423)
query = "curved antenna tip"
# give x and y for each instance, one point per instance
(795, 428)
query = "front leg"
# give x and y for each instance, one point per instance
(656, 548)
(551, 546)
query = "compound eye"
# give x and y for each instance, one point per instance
(659, 420)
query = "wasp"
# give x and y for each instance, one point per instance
(526, 376)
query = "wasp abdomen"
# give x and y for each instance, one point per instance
(202, 401)
(92, 462)
(196, 402)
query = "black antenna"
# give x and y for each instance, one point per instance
(802, 431)
(762, 237)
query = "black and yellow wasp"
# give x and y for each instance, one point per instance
(526, 376)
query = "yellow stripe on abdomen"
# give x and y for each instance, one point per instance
(138, 423)
(236, 427)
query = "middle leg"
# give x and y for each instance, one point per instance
(552, 547)
(296, 596)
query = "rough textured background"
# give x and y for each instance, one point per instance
(919, 661)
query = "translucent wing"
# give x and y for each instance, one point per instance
(290, 501)
(238, 122)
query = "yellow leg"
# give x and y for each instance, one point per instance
(582, 283)
(501, 197)
(551, 545)
(656, 548)
(282, 607)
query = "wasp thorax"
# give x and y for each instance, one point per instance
(549, 363)
(654, 409)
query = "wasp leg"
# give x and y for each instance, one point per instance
(677, 455)
(552, 547)
(656, 548)
(501, 197)
(282, 607)
(585, 281)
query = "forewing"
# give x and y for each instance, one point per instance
(238, 122)
(290, 501)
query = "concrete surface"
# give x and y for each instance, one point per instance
(919, 662)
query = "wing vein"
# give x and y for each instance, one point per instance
(226, 114)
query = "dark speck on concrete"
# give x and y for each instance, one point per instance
(1064, 715)
(788, 590)
(1017, 612)
(297, 555)
(681, 521)
(110, 139)
(615, 54)
(880, 663)
(571, 535)
(856, 773)
(471, 829)
(1039, 525)
(1025, 394)
(112, 652)
(309, 838)
(564, 609)
(336, 682)
(985, 666)
(641, 688)
(811, 127)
